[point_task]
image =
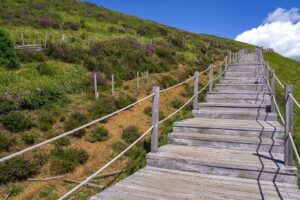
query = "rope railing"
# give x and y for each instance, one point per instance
(289, 100)
(135, 142)
(295, 101)
(152, 128)
(94, 121)
(155, 94)
(72, 131)
(105, 166)
(294, 147)
(278, 110)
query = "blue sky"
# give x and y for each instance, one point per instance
(226, 18)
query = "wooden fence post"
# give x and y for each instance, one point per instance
(230, 57)
(22, 39)
(147, 77)
(196, 83)
(112, 85)
(220, 72)
(137, 82)
(273, 107)
(288, 150)
(210, 77)
(95, 87)
(267, 71)
(155, 118)
(46, 38)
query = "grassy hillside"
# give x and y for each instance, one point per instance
(287, 70)
(52, 91)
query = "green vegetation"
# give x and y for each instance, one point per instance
(130, 134)
(17, 169)
(17, 122)
(65, 160)
(176, 103)
(287, 71)
(8, 56)
(77, 119)
(99, 134)
(38, 97)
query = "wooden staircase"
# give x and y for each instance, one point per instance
(233, 148)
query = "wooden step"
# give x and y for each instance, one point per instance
(232, 114)
(228, 142)
(158, 183)
(238, 100)
(243, 81)
(226, 107)
(256, 128)
(240, 95)
(234, 163)
(248, 87)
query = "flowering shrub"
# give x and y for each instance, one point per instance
(46, 21)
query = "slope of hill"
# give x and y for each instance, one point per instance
(52, 91)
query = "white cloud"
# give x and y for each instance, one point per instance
(280, 31)
(283, 15)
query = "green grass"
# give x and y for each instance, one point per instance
(287, 70)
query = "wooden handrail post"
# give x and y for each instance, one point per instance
(112, 85)
(288, 150)
(230, 57)
(273, 107)
(155, 118)
(267, 71)
(46, 38)
(137, 82)
(196, 82)
(210, 77)
(22, 39)
(95, 87)
(220, 73)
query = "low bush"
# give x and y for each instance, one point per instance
(48, 192)
(77, 119)
(17, 169)
(46, 120)
(7, 105)
(176, 103)
(8, 56)
(130, 134)
(30, 56)
(44, 98)
(6, 142)
(119, 146)
(44, 69)
(28, 138)
(72, 26)
(148, 111)
(64, 141)
(65, 160)
(98, 134)
(17, 122)
(65, 53)
(166, 81)
(124, 101)
(105, 105)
